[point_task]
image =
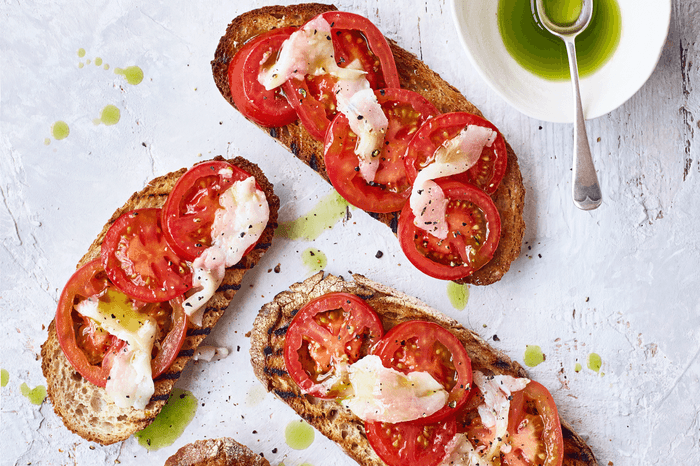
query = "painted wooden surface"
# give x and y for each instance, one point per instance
(621, 281)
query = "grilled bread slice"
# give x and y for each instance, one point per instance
(87, 409)
(415, 76)
(216, 452)
(393, 307)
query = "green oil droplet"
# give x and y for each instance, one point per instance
(88, 61)
(47, 141)
(133, 74)
(314, 260)
(299, 435)
(170, 423)
(323, 216)
(36, 395)
(458, 294)
(60, 130)
(106, 67)
(110, 116)
(81, 53)
(533, 356)
(543, 54)
(98, 61)
(563, 12)
(306, 464)
(81, 65)
(578, 367)
(594, 362)
(4, 377)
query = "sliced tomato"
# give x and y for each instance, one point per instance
(138, 260)
(535, 430)
(326, 335)
(406, 111)
(488, 171)
(354, 37)
(411, 443)
(90, 349)
(266, 108)
(474, 231)
(91, 361)
(428, 347)
(190, 210)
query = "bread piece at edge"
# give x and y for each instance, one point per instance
(393, 307)
(85, 408)
(414, 75)
(216, 452)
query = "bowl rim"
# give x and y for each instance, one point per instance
(666, 5)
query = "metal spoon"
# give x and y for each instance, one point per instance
(586, 191)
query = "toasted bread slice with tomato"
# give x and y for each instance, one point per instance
(86, 409)
(393, 307)
(216, 452)
(415, 76)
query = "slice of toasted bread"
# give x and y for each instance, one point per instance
(393, 307)
(87, 409)
(216, 452)
(414, 75)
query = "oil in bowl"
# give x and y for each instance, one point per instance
(543, 54)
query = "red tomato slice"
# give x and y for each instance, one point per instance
(92, 363)
(488, 171)
(191, 207)
(474, 231)
(411, 443)
(533, 426)
(406, 111)
(428, 347)
(89, 349)
(327, 334)
(138, 260)
(353, 36)
(535, 430)
(266, 108)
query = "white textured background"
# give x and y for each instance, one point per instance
(621, 281)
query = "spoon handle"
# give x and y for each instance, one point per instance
(586, 191)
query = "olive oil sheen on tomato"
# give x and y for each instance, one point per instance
(542, 53)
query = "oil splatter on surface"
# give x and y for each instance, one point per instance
(60, 130)
(314, 260)
(133, 74)
(109, 116)
(36, 395)
(299, 435)
(4, 377)
(171, 422)
(533, 356)
(594, 362)
(329, 211)
(458, 294)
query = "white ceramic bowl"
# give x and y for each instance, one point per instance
(644, 29)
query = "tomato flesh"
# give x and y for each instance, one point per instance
(354, 37)
(411, 443)
(139, 261)
(90, 349)
(190, 210)
(326, 335)
(488, 171)
(266, 108)
(406, 112)
(474, 231)
(428, 347)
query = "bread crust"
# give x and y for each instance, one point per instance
(216, 452)
(393, 307)
(414, 75)
(87, 409)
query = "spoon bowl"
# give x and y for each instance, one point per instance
(585, 188)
